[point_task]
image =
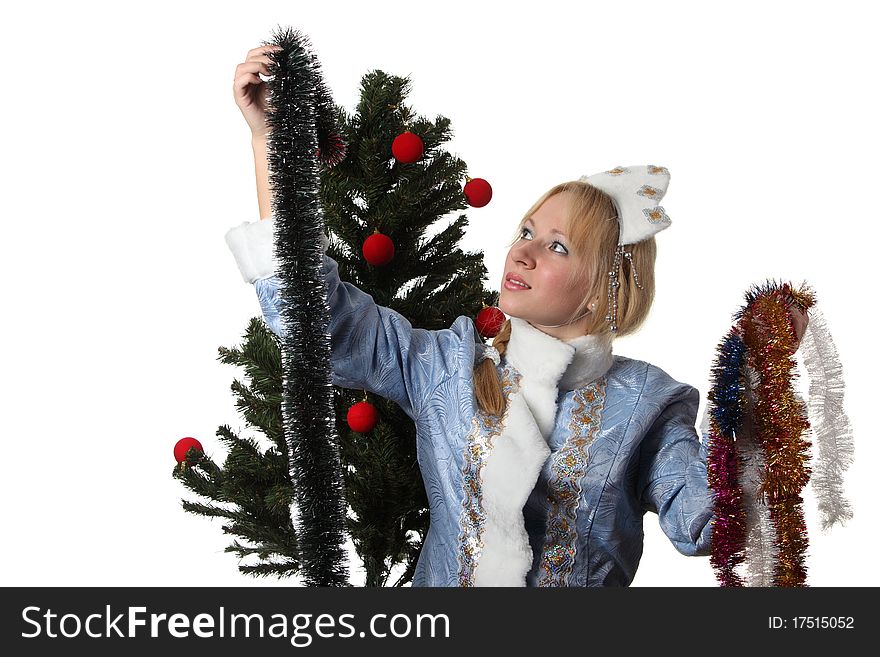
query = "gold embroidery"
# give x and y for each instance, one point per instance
(656, 215)
(657, 170)
(484, 430)
(569, 466)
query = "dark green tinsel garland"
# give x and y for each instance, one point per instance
(299, 117)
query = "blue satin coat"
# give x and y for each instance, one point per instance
(645, 456)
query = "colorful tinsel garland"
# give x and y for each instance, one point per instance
(759, 452)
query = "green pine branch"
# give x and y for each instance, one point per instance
(254, 484)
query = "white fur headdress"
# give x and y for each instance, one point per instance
(636, 191)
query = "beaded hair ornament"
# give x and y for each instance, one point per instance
(636, 192)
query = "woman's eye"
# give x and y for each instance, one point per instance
(564, 250)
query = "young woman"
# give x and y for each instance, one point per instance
(540, 454)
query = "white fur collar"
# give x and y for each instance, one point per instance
(518, 454)
(571, 364)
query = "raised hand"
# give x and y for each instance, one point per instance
(250, 91)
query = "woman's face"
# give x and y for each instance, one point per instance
(542, 257)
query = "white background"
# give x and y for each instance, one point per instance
(125, 160)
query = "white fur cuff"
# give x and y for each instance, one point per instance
(253, 245)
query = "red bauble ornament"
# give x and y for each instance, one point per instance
(407, 147)
(489, 321)
(362, 417)
(182, 447)
(378, 249)
(478, 192)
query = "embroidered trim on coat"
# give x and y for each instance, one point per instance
(568, 467)
(484, 429)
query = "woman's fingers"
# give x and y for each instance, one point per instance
(242, 82)
(252, 67)
(261, 55)
(250, 90)
(246, 78)
(261, 50)
(800, 319)
(247, 73)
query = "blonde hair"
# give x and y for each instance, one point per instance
(593, 233)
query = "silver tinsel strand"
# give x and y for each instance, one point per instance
(761, 550)
(830, 425)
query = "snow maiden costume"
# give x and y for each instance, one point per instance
(552, 493)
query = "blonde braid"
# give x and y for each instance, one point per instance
(487, 385)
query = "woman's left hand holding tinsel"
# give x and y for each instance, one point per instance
(763, 318)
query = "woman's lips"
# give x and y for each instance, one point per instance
(508, 285)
